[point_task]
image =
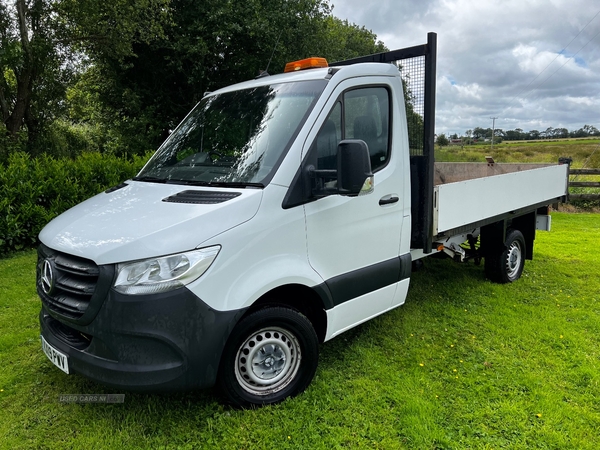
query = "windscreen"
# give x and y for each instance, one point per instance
(235, 138)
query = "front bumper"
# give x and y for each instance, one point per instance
(161, 342)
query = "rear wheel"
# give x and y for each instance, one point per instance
(507, 266)
(272, 354)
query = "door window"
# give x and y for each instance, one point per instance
(359, 114)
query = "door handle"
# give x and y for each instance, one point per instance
(388, 200)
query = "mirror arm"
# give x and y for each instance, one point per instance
(325, 174)
(319, 189)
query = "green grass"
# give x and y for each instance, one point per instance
(464, 364)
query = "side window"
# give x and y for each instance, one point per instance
(366, 117)
(361, 114)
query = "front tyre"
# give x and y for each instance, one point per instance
(271, 354)
(507, 266)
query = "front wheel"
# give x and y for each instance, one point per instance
(272, 354)
(507, 266)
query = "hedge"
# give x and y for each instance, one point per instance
(35, 190)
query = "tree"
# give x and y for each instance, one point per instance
(586, 130)
(591, 130)
(480, 133)
(43, 44)
(208, 45)
(132, 69)
(514, 135)
(549, 133)
(341, 40)
(29, 65)
(442, 140)
(561, 133)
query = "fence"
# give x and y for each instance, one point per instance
(585, 184)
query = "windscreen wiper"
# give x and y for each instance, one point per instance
(234, 184)
(150, 179)
(229, 184)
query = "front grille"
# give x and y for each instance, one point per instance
(72, 283)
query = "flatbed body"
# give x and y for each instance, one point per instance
(469, 195)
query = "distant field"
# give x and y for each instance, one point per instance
(583, 151)
(554, 140)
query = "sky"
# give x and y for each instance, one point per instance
(533, 64)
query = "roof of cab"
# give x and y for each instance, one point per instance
(354, 70)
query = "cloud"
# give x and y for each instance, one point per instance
(527, 62)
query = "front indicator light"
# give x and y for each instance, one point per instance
(156, 275)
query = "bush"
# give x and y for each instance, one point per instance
(442, 140)
(35, 190)
(10, 145)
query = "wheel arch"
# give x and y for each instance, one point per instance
(298, 297)
(493, 236)
(504, 262)
(526, 224)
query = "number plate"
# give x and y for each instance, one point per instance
(59, 359)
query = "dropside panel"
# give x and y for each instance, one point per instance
(468, 202)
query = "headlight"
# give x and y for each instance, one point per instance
(155, 275)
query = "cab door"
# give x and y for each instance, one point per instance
(354, 242)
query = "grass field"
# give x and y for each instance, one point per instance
(582, 151)
(464, 364)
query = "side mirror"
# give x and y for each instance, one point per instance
(353, 167)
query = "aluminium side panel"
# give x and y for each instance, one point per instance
(465, 202)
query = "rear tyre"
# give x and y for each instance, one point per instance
(507, 266)
(271, 355)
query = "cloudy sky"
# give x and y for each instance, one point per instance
(533, 64)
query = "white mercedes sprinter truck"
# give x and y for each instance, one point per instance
(280, 213)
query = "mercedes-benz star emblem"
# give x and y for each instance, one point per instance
(47, 277)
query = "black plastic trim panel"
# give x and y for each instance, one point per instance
(345, 287)
(115, 188)
(201, 197)
(66, 334)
